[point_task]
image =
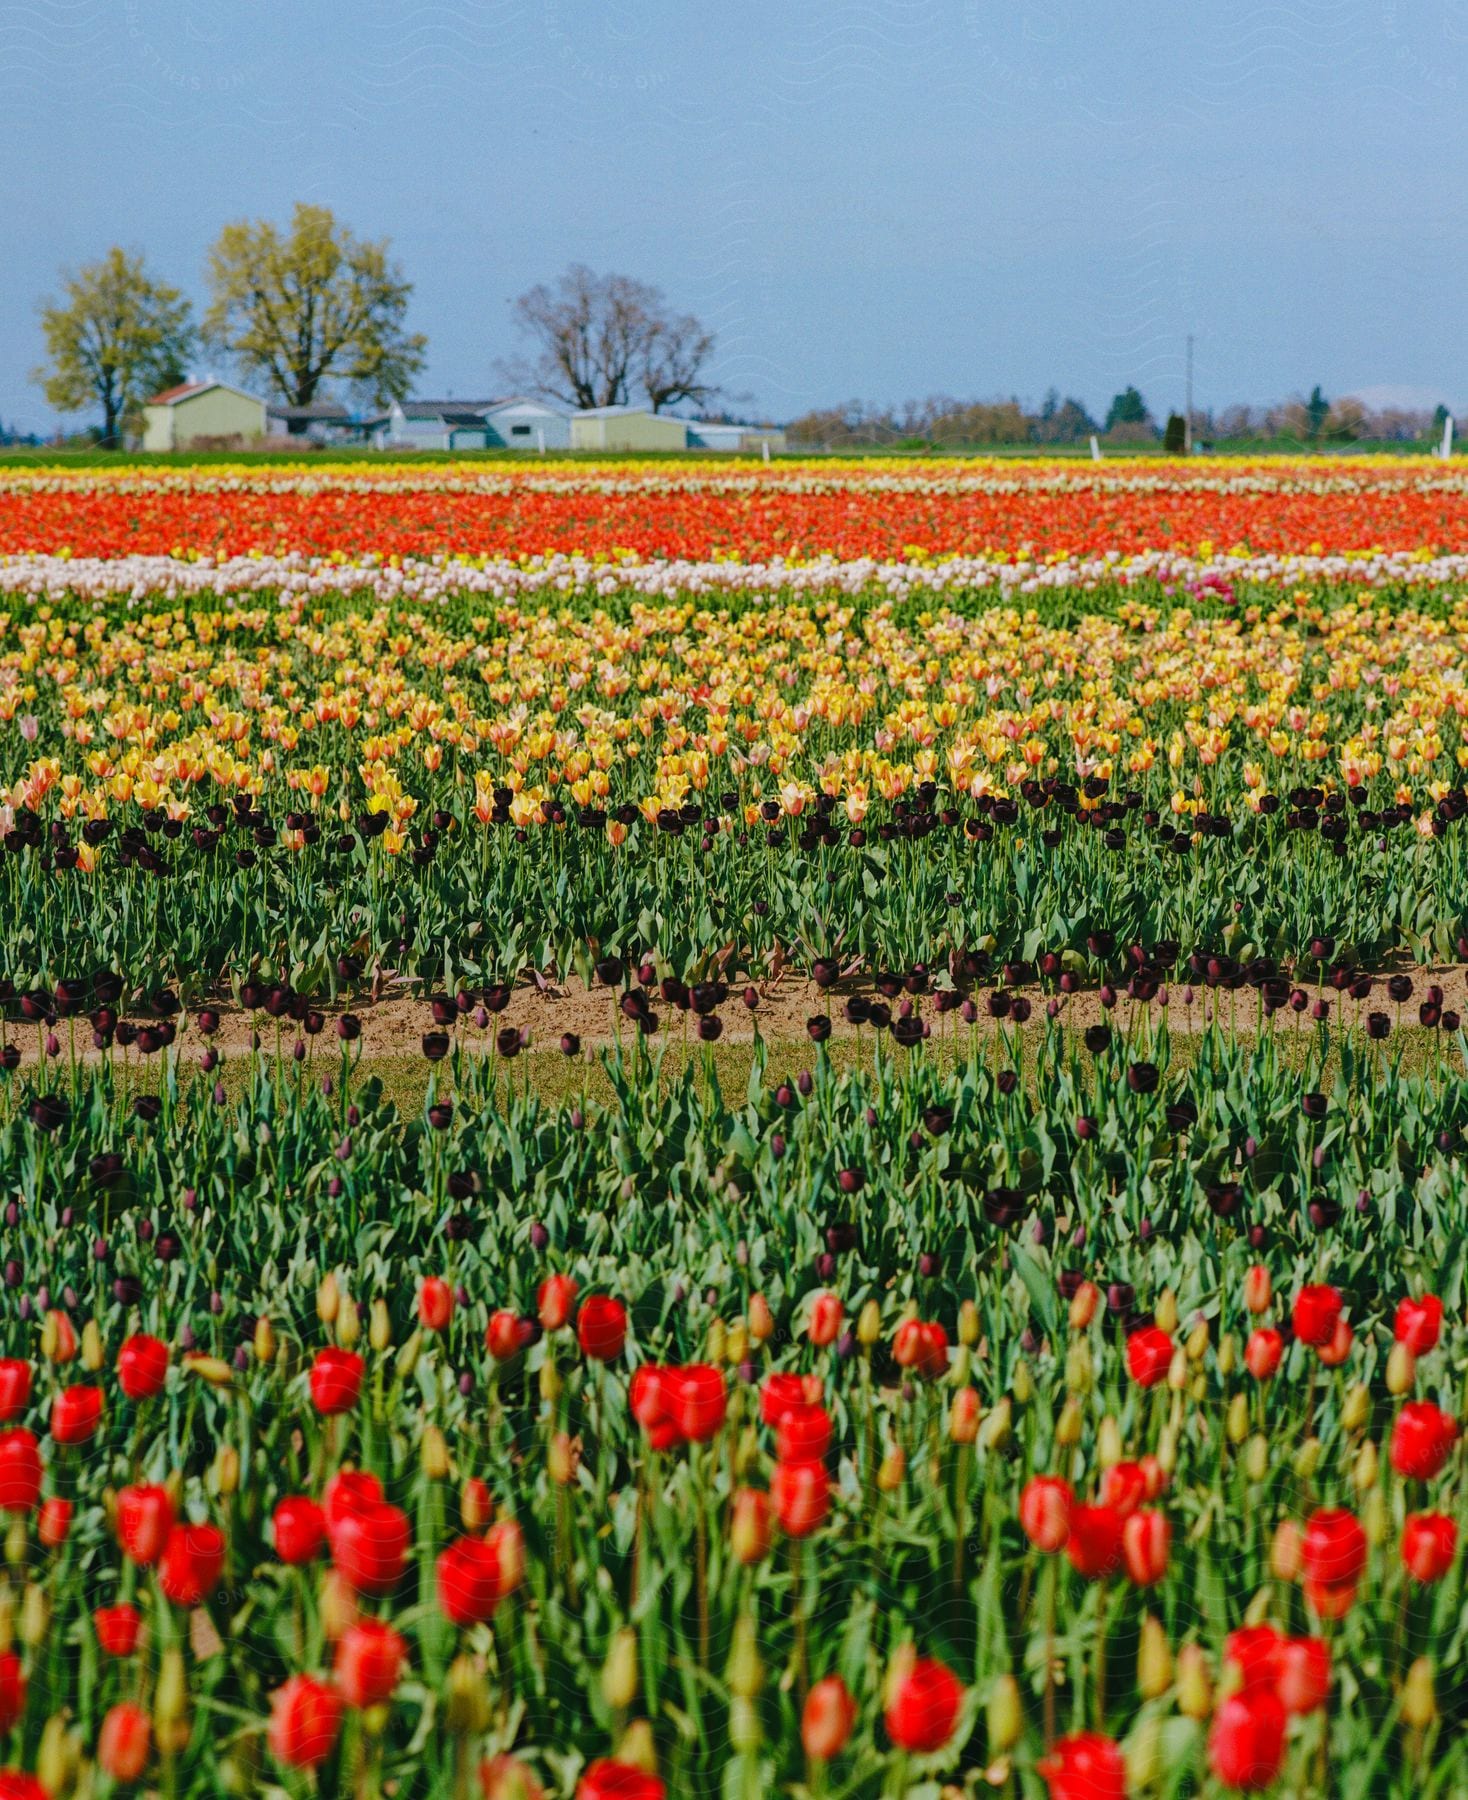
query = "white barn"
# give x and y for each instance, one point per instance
(511, 423)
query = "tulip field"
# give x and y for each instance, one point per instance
(703, 1130)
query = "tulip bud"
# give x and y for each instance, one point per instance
(761, 1319)
(1419, 1698)
(869, 1325)
(1177, 1371)
(1198, 1388)
(407, 1357)
(1364, 1470)
(1374, 1516)
(1194, 1689)
(968, 1324)
(16, 1542)
(265, 1345)
(1258, 1289)
(339, 1611)
(1165, 1312)
(563, 1458)
(1083, 1304)
(171, 1695)
(7, 1618)
(736, 1343)
(1401, 1369)
(1068, 1425)
(56, 1755)
(466, 1708)
(637, 1747)
(619, 1671)
(1236, 1421)
(1079, 1367)
(1154, 1660)
(58, 1338)
(1356, 1407)
(746, 1675)
(963, 1416)
(1167, 1449)
(1256, 1457)
(35, 1615)
(550, 1381)
(213, 1369)
(434, 1454)
(224, 1477)
(995, 1432)
(1198, 1339)
(1286, 1550)
(892, 1470)
(717, 1341)
(1228, 1354)
(348, 1323)
(1023, 1385)
(1108, 1442)
(1004, 1716)
(1143, 1755)
(92, 1353)
(476, 1508)
(379, 1325)
(328, 1298)
(1307, 1458)
(961, 1368)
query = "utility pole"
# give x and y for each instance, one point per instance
(1188, 404)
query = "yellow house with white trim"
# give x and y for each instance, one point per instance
(201, 409)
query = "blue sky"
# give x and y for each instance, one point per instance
(873, 198)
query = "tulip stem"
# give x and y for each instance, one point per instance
(1050, 1577)
(1101, 1608)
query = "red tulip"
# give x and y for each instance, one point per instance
(144, 1520)
(1429, 1544)
(1045, 1506)
(507, 1334)
(53, 1524)
(336, 1380)
(192, 1562)
(16, 1786)
(827, 1719)
(12, 1689)
(117, 1628)
(124, 1741)
(801, 1496)
(804, 1435)
(142, 1366)
(1094, 1544)
(305, 1717)
(781, 1392)
(923, 1701)
(607, 1780)
(601, 1327)
(1332, 1556)
(921, 1346)
(15, 1387)
(1148, 1355)
(554, 1301)
(507, 1541)
(1418, 1323)
(1254, 1652)
(1304, 1673)
(300, 1529)
(1422, 1440)
(1263, 1351)
(1333, 1354)
(1246, 1742)
(435, 1303)
(1085, 1766)
(825, 1320)
(370, 1547)
(76, 1413)
(650, 1398)
(1316, 1314)
(468, 1581)
(20, 1470)
(697, 1399)
(505, 1777)
(349, 1491)
(1146, 1539)
(1258, 1288)
(1125, 1485)
(369, 1660)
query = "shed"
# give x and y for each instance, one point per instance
(319, 422)
(520, 423)
(627, 428)
(183, 415)
(708, 434)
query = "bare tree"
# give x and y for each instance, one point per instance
(597, 339)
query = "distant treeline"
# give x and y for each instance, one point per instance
(941, 420)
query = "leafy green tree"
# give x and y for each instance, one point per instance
(113, 338)
(1127, 408)
(310, 306)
